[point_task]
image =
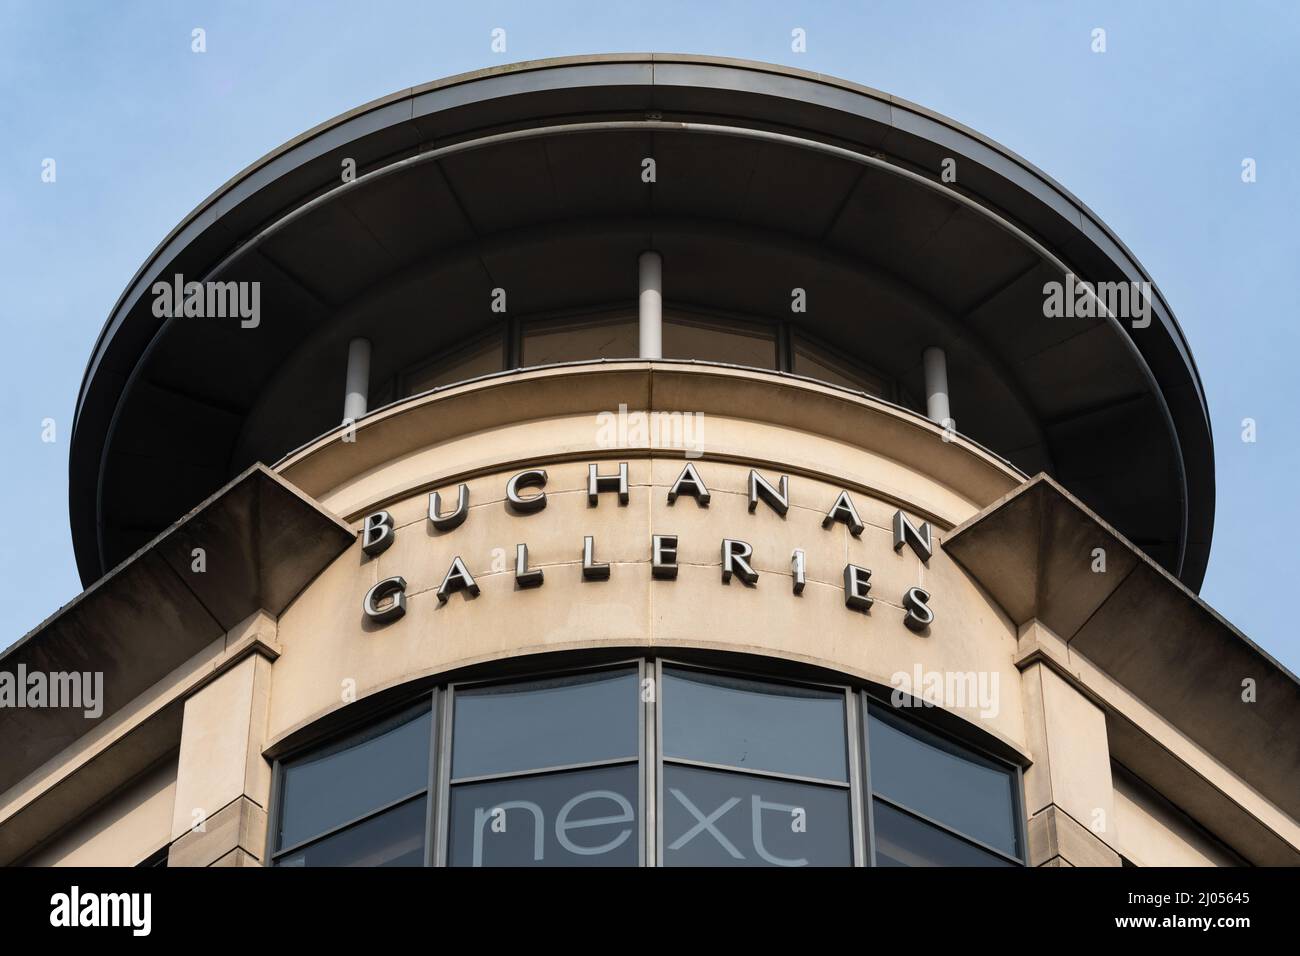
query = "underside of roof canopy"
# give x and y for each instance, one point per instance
(530, 178)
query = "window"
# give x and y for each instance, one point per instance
(754, 773)
(905, 840)
(719, 340)
(362, 801)
(481, 357)
(545, 342)
(935, 803)
(547, 772)
(614, 334)
(815, 361)
(646, 763)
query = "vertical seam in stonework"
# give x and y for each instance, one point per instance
(1047, 737)
(259, 558)
(249, 754)
(1039, 546)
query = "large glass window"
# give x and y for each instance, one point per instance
(935, 803)
(546, 772)
(361, 801)
(647, 762)
(791, 809)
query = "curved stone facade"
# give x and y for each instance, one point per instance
(727, 423)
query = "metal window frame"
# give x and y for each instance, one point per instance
(650, 759)
(442, 800)
(435, 760)
(863, 834)
(658, 795)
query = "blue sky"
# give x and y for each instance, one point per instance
(1151, 134)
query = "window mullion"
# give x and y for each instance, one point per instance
(431, 809)
(655, 817)
(868, 795)
(853, 730)
(443, 776)
(647, 775)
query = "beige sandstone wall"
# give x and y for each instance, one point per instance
(397, 459)
(126, 829)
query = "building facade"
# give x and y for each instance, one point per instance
(643, 460)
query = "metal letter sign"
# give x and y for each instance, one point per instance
(736, 558)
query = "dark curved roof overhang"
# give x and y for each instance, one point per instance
(764, 172)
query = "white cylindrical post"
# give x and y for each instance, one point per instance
(357, 388)
(936, 385)
(651, 305)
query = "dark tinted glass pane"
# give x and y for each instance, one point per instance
(573, 818)
(537, 724)
(714, 818)
(480, 358)
(937, 779)
(719, 340)
(754, 725)
(394, 838)
(903, 840)
(822, 364)
(359, 774)
(578, 340)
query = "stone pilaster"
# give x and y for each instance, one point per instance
(223, 783)
(1069, 795)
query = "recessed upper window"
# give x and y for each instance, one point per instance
(549, 341)
(820, 362)
(687, 336)
(483, 356)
